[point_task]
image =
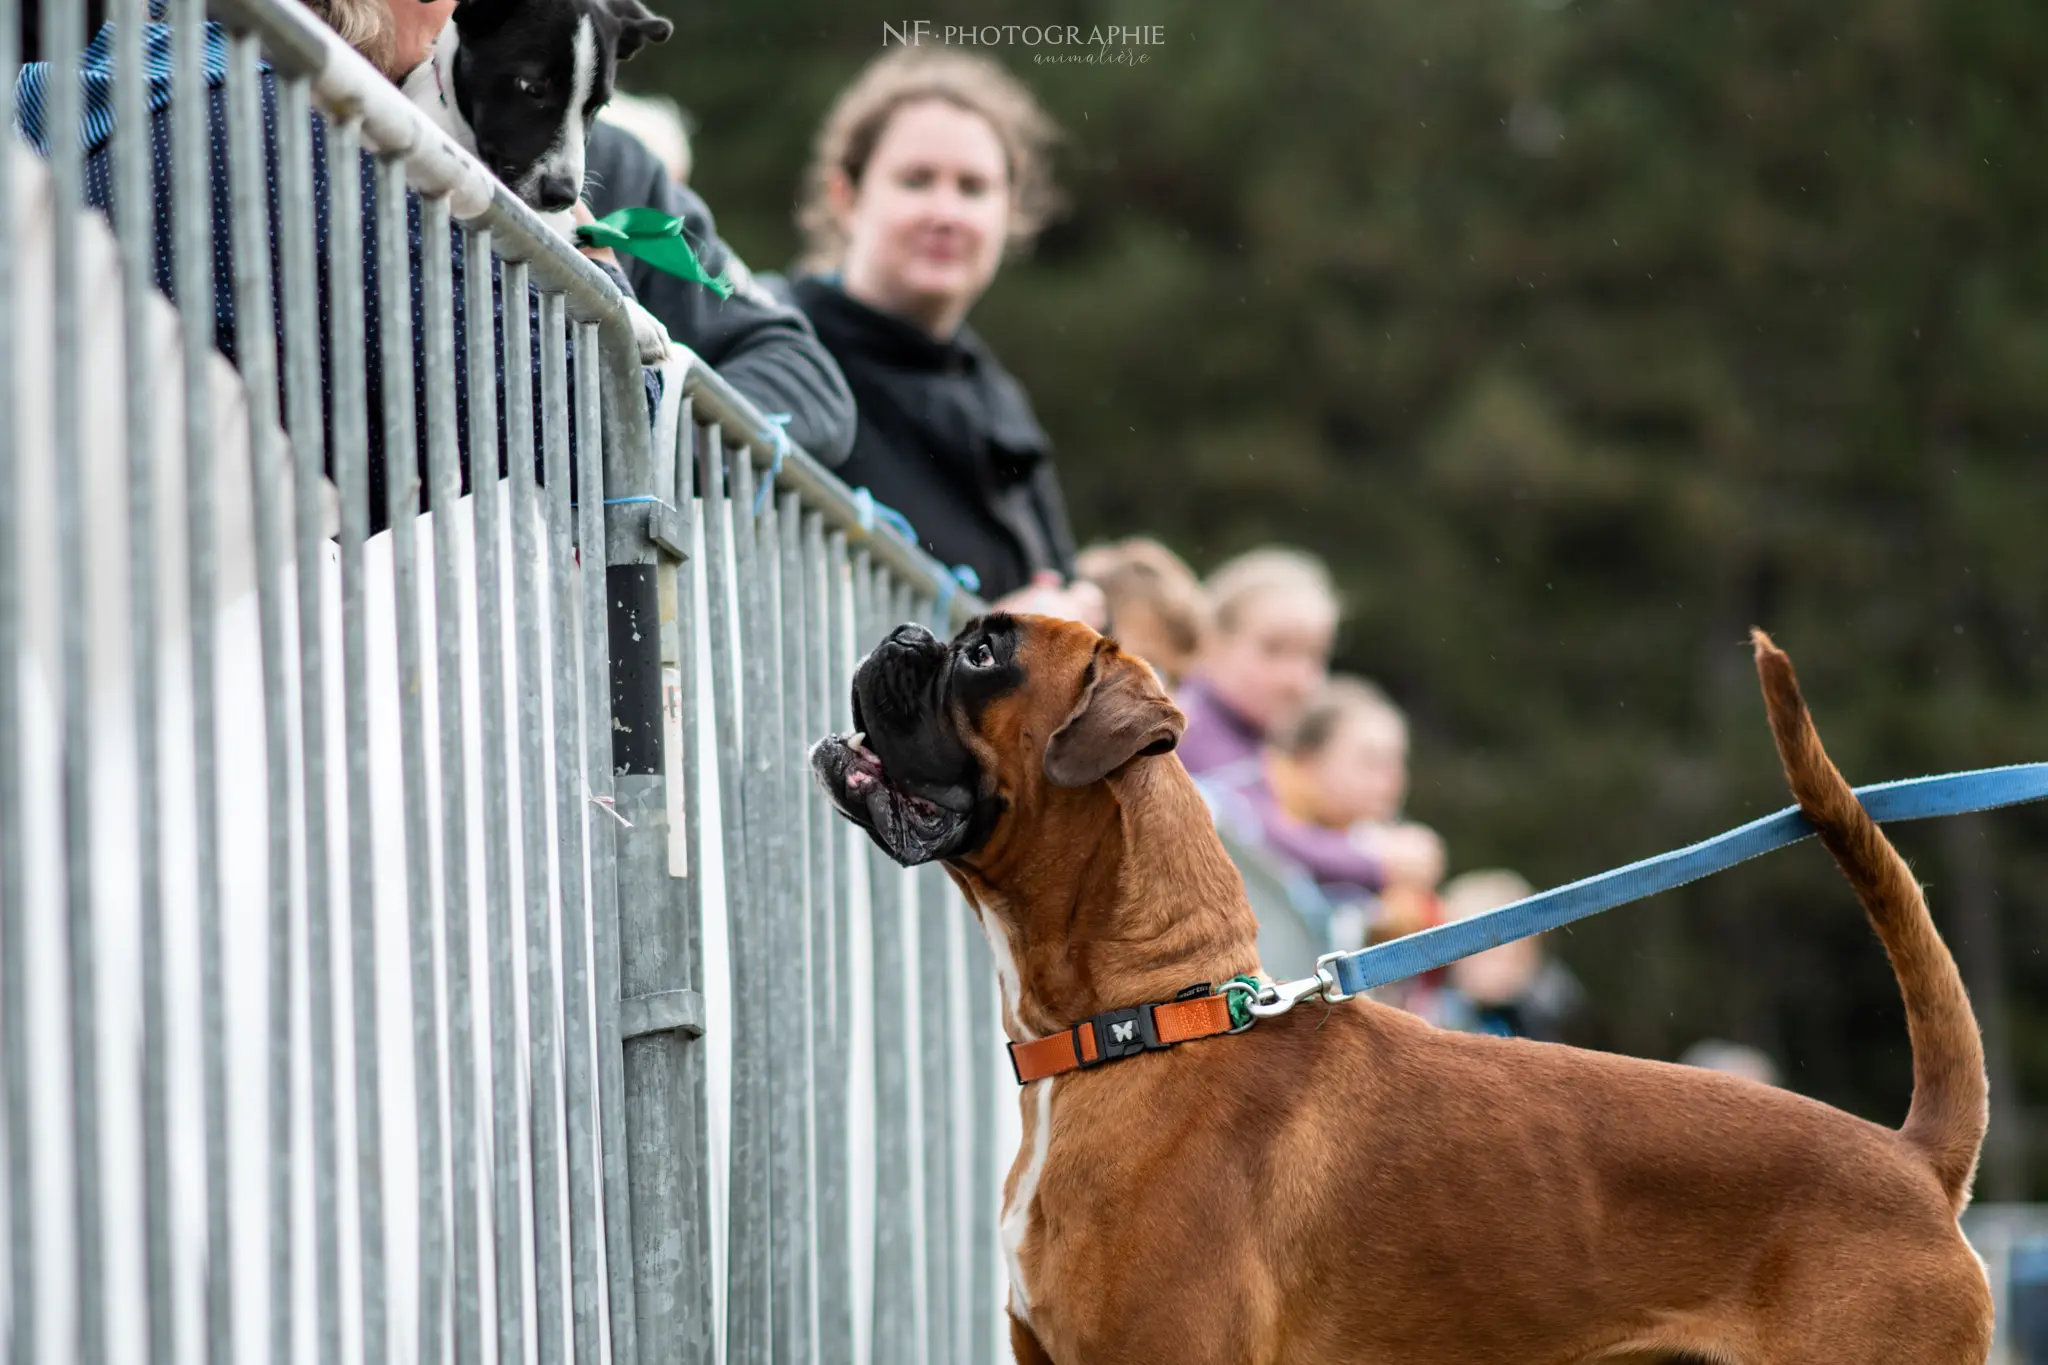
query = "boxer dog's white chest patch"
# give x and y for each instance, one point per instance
(1016, 1224)
(1016, 1220)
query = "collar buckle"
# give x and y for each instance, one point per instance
(1123, 1033)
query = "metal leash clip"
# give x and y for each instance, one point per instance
(1283, 996)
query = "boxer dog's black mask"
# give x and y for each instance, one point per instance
(1017, 716)
(905, 775)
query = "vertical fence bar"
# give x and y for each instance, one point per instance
(899, 1330)
(984, 1169)
(759, 716)
(660, 975)
(308, 439)
(61, 22)
(747, 1181)
(351, 473)
(611, 853)
(20, 1341)
(542, 1012)
(835, 986)
(768, 826)
(193, 266)
(256, 353)
(444, 485)
(402, 507)
(867, 865)
(488, 483)
(134, 228)
(798, 1320)
(579, 1104)
(803, 658)
(938, 1040)
(698, 1344)
(192, 223)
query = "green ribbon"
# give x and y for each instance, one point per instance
(656, 238)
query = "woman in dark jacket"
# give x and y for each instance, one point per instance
(928, 168)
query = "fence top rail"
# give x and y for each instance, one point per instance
(345, 86)
(743, 425)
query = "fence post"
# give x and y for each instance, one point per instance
(657, 1010)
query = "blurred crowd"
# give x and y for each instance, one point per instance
(1307, 772)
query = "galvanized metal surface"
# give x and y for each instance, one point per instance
(461, 832)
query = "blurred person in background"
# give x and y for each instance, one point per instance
(1342, 768)
(1274, 618)
(1156, 606)
(1324, 801)
(757, 342)
(928, 169)
(1516, 990)
(1733, 1059)
(658, 124)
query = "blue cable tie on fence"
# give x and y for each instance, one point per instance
(867, 512)
(1916, 798)
(776, 422)
(950, 584)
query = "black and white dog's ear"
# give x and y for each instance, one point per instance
(638, 25)
(480, 16)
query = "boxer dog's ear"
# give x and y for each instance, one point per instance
(1122, 713)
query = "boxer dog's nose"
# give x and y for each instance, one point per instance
(912, 636)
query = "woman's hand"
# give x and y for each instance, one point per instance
(582, 214)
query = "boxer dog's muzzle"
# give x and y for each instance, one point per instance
(933, 763)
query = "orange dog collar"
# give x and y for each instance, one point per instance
(1116, 1034)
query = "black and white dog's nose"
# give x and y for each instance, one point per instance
(555, 193)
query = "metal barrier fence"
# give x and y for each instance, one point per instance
(426, 943)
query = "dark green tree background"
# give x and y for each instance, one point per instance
(1577, 335)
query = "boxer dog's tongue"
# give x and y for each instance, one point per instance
(910, 826)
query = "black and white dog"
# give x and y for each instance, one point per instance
(519, 82)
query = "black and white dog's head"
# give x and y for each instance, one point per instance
(518, 82)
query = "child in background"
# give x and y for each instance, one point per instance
(1156, 607)
(1275, 618)
(661, 126)
(1342, 768)
(1325, 800)
(1516, 990)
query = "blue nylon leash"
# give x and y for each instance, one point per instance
(1916, 798)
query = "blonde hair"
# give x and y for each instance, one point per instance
(1475, 893)
(364, 25)
(1340, 697)
(1261, 573)
(1142, 572)
(854, 127)
(660, 125)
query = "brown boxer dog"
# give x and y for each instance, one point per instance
(1346, 1183)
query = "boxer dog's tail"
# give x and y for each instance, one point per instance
(1949, 1110)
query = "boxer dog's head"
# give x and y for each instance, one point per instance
(1018, 715)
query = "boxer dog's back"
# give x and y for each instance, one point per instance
(1346, 1183)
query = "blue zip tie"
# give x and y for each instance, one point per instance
(776, 422)
(950, 583)
(868, 512)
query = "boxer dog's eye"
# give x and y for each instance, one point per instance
(981, 656)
